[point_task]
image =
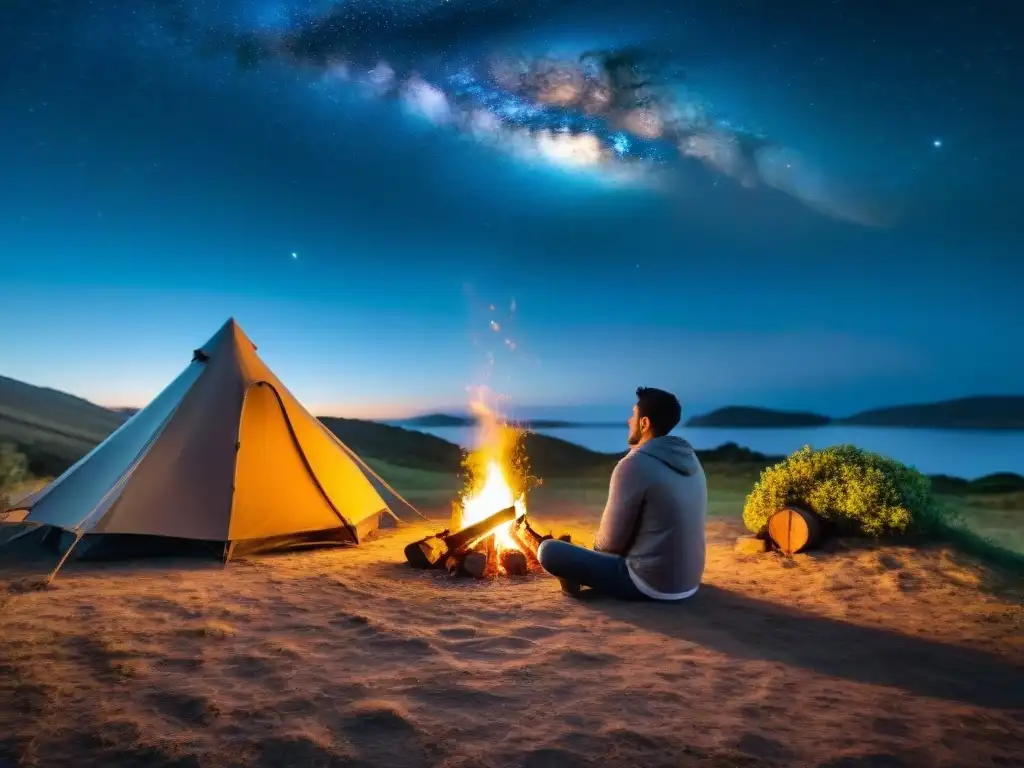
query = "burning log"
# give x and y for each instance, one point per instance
(428, 552)
(475, 564)
(465, 537)
(437, 550)
(529, 540)
(514, 562)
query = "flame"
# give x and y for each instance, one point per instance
(489, 464)
(492, 496)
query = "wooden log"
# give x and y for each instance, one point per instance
(456, 515)
(794, 530)
(426, 553)
(432, 551)
(463, 538)
(751, 545)
(526, 537)
(513, 562)
(475, 564)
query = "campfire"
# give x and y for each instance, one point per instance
(490, 534)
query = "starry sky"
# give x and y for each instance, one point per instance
(806, 204)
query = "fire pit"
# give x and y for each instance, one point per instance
(485, 543)
(482, 550)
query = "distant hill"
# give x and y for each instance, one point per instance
(52, 428)
(743, 416)
(441, 420)
(984, 412)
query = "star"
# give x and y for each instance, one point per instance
(295, 255)
(937, 143)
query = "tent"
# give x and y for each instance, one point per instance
(224, 459)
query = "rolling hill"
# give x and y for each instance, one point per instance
(744, 416)
(52, 428)
(998, 412)
(441, 420)
(984, 412)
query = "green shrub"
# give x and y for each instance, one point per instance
(861, 492)
(13, 466)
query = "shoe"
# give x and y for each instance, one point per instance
(571, 588)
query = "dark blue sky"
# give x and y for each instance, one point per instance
(795, 204)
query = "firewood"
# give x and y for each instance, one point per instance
(431, 552)
(527, 538)
(466, 536)
(513, 562)
(426, 553)
(490, 550)
(475, 564)
(794, 529)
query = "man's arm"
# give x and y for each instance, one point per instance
(625, 498)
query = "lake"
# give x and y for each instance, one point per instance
(961, 453)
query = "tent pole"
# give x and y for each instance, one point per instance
(78, 537)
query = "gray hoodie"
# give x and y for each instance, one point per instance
(657, 506)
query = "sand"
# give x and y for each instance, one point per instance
(876, 656)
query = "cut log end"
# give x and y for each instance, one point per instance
(475, 564)
(426, 553)
(794, 530)
(514, 563)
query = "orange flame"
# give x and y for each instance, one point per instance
(489, 465)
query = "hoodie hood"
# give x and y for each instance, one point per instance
(672, 451)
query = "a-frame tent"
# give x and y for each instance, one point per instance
(224, 458)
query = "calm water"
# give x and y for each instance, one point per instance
(933, 451)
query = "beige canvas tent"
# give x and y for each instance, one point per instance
(225, 458)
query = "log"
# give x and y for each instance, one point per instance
(794, 530)
(466, 536)
(432, 551)
(427, 553)
(513, 562)
(527, 538)
(489, 547)
(475, 564)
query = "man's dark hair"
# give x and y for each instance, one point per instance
(661, 407)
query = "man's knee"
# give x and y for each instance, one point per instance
(547, 553)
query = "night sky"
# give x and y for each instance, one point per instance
(795, 204)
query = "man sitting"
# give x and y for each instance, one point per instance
(650, 542)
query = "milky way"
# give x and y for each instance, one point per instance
(506, 73)
(626, 113)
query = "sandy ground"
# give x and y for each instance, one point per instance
(864, 656)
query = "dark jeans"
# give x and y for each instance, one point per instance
(602, 572)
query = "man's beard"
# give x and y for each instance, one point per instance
(634, 437)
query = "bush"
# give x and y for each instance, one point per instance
(861, 492)
(13, 466)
